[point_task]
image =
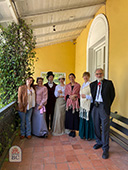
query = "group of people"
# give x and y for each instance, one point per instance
(67, 108)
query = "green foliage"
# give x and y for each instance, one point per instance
(16, 59)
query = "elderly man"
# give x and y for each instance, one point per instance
(103, 94)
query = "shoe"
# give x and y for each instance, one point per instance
(96, 146)
(73, 134)
(22, 137)
(105, 155)
(29, 137)
(45, 136)
(70, 134)
(88, 139)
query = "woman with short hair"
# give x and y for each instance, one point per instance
(39, 127)
(26, 101)
(86, 129)
(72, 97)
(59, 111)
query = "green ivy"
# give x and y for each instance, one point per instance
(17, 59)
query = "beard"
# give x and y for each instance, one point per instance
(100, 79)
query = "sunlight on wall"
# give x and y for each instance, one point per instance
(66, 57)
(56, 58)
(116, 12)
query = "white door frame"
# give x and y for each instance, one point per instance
(95, 35)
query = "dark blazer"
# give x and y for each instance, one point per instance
(51, 99)
(107, 92)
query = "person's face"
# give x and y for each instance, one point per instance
(61, 81)
(99, 75)
(86, 78)
(40, 82)
(71, 78)
(29, 81)
(50, 78)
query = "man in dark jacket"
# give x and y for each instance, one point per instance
(51, 98)
(103, 94)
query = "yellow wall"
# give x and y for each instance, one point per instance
(56, 58)
(66, 57)
(117, 15)
(81, 44)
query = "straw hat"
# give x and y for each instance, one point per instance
(61, 77)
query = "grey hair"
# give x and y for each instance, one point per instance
(99, 69)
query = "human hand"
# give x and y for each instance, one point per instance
(73, 97)
(59, 91)
(83, 96)
(61, 96)
(39, 107)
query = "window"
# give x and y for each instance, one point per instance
(57, 74)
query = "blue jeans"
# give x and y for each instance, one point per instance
(25, 120)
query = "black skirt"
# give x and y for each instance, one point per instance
(72, 120)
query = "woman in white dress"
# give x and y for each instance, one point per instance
(60, 108)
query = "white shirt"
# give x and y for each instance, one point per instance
(99, 98)
(59, 87)
(31, 98)
(50, 84)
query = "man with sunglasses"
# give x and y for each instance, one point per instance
(103, 94)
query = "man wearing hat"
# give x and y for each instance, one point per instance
(51, 98)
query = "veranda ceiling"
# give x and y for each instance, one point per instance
(53, 21)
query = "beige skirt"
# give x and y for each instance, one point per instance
(59, 117)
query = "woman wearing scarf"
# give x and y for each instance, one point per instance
(86, 129)
(72, 97)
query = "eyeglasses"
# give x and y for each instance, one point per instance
(99, 74)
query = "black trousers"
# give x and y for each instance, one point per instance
(101, 123)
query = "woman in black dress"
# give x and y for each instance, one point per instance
(72, 98)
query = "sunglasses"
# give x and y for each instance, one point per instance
(99, 74)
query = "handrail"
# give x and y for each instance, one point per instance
(7, 107)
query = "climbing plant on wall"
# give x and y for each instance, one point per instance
(17, 59)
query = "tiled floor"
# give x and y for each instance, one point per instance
(66, 153)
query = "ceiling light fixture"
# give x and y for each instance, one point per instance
(54, 28)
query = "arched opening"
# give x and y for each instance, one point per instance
(97, 46)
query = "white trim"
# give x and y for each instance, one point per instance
(12, 10)
(62, 22)
(106, 34)
(60, 32)
(62, 10)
